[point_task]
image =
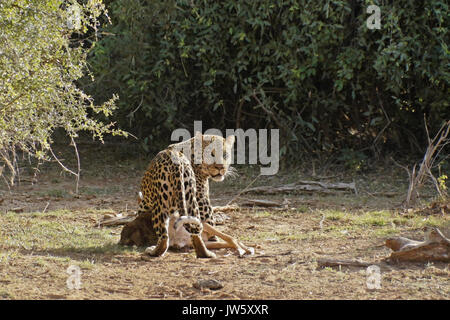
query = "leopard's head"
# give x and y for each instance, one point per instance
(216, 155)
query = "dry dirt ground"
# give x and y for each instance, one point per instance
(45, 228)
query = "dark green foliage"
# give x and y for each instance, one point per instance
(311, 68)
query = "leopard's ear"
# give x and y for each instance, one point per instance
(230, 140)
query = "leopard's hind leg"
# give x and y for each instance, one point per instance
(162, 231)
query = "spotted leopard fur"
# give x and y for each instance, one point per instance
(175, 182)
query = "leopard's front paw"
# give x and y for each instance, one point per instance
(154, 251)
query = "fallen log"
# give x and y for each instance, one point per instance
(330, 185)
(309, 186)
(260, 203)
(435, 247)
(227, 208)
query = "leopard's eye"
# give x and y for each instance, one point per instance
(226, 156)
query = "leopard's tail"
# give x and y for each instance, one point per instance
(194, 223)
(191, 223)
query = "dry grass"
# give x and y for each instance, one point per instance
(57, 229)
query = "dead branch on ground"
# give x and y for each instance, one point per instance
(330, 262)
(435, 247)
(310, 186)
(260, 203)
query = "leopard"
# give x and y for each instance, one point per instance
(175, 187)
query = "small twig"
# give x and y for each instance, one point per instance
(78, 164)
(321, 221)
(131, 114)
(387, 118)
(269, 112)
(242, 191)
(77, 175)
(6, 159)
(286, 253)
(416, 178)
(60, 163)
(278, 122)
(45, 209)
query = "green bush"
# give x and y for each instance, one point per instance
(41, 56)
(311, 68)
